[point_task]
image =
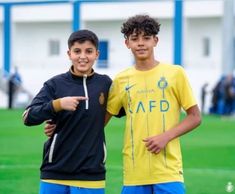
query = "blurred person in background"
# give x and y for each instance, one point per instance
(203, 97)
(217, 100)
(14, 84)
(229, 98)
(223, 96)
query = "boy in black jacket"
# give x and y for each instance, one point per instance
(74, 157)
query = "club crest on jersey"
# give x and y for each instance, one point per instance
(162, 83)
(101, 98)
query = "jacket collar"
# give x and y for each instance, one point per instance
(80, 75)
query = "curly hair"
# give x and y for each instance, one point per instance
(140, 23)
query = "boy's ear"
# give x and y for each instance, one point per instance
(68, 53)
(127, 43)
(155, 40)
(97, 54)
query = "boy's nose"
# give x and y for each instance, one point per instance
(82, 55)
(140, 41)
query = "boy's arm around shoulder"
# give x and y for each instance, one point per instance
(192, 120)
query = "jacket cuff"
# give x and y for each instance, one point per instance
(56, 105)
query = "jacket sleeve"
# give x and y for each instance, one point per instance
(41, 107)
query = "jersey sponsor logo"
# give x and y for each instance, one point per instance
(145, 91)
(151, 105)
(162, 105)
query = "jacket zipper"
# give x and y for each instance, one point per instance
(52, 148)
(85, 90)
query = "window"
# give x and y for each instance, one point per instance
(54, 47)
(206, 47)
(103, 58)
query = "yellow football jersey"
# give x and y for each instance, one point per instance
(152, 100)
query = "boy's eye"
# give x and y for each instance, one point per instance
(147, 37)
(86, 51)
(89, 51)
(133, 38)
(77, 51)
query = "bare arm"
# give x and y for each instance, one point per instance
(156, 143)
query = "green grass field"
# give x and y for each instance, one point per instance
(208, 155)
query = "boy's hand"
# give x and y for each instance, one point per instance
(156, 143)
(70, 103)
(49, 128)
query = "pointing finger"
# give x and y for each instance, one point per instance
(81, 98)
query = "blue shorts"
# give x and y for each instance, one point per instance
(51, 188)
(162, 188)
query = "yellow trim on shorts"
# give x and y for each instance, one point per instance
(77, 183)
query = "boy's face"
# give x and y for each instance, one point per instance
(83, 56)
(141, 45)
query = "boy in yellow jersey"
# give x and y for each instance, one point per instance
(152, 94)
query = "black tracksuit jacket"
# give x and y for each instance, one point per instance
(77, 149)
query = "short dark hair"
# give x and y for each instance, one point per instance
(140, 23)
(81, 36)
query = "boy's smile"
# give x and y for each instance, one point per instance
(141, 51)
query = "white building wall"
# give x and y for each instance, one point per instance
(164, 50)
(203, 69)
(33, 26)
(197, 29)
(3, 97)
(31, 51)
(43, 12)
(1, 46)
(1, 13)
(203, 8)
(1, 38)
(122, 10)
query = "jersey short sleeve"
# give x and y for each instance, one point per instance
(114, 101)
(185, 93)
